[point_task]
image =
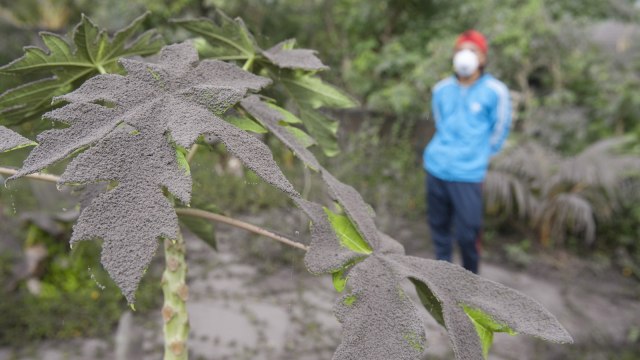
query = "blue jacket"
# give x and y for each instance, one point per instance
(472, 123)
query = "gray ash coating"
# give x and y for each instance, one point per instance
(131, 123)
(303, 59)
(325, 254)
(454, 286)
(130, 219)
(88, 124)
(10, 140)
(134, 159)
(355, 207)
(254, 154)
(381, 323)
(270, 118)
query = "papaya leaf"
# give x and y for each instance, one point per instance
(284, 56)
(314, 93)
(246, 124)
(472, 308)
(326, 254)
(428, 300)
(10, 140)
(381, 323)
(339, 280)
(293, 69)
(229, 38)
(485, 327)
(271, 118)
(347, 233)
(135, 138)
(287, 116)
(303, 138)
(66, 63)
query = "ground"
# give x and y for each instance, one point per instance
(252, 299)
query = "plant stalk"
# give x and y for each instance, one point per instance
(176, 292)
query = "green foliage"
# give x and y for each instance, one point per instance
(347, 233)
(229, 39)
(66, 64)
(485, 327)
(77, 298)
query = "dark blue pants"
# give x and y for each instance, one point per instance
(458, 205)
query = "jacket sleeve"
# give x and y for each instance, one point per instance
(501, 118)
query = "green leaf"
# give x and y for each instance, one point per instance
(204, 229)
(230, 38)
(339, 280)
(429, 301)
(182, 160)
(304, 138)
(311, 91)
(246, 124)
(323, 129)
(347, 233)
(66, 64)
(287, 116)
(485, 327)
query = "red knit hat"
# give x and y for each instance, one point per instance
(475, 38)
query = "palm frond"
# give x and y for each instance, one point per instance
(567, 213)
(507, 193)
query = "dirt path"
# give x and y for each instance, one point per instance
(253, 300)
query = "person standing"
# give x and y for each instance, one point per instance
(472, 113)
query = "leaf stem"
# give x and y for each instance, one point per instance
(192, 153)
(248, 64)
(191, 212)
(101, 69)
(240, 224)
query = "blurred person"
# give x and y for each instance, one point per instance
(472, 113)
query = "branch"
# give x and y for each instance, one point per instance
(190, 212)
(240, 224)
(36, 176)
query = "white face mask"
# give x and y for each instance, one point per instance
(465, 63)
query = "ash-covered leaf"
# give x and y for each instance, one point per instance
(283, 55)
(355, 207)
(293, 70)
(130, 219)
(379, 320)
(456, 288)
(326, 254)
(10, 140)
(133, 126)
(271, 118)
(67, 62)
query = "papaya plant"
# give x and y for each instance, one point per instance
(131, 125)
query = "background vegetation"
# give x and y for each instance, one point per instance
(565, 181)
